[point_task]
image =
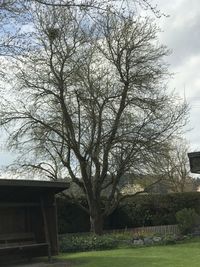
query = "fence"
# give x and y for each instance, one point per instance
(161, 229)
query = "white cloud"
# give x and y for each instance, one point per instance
(181, 30)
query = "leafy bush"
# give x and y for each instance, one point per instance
(187, 219)
(83, 242)
(169, 239)
(89, 242)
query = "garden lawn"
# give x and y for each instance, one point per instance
(181, 255)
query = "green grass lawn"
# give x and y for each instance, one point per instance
(182, 255)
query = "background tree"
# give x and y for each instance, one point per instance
(172, 167)
(89, 101)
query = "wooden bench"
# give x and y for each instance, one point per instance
(21, 242)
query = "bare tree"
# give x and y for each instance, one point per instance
(172, 166)
(89, 101)
(15, 14)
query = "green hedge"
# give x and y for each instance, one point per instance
(141, 210)
(71, 218)
(149, 210)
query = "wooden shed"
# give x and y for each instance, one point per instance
(28, 220)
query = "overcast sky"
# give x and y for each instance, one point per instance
(181, 33)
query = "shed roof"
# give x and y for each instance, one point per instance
(13, 188)
(34, 183)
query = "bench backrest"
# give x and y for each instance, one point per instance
(16, 238)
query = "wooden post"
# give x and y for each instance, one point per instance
(46, 230)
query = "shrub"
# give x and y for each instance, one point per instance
(187, 219)
(89, 242)
(169, 239)
(84, 242)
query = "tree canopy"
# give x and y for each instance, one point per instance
(88, 99)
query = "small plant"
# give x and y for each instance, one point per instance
(187, 219)
(169, 239)
(143, 234)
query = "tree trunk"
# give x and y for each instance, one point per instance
(96, 223)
